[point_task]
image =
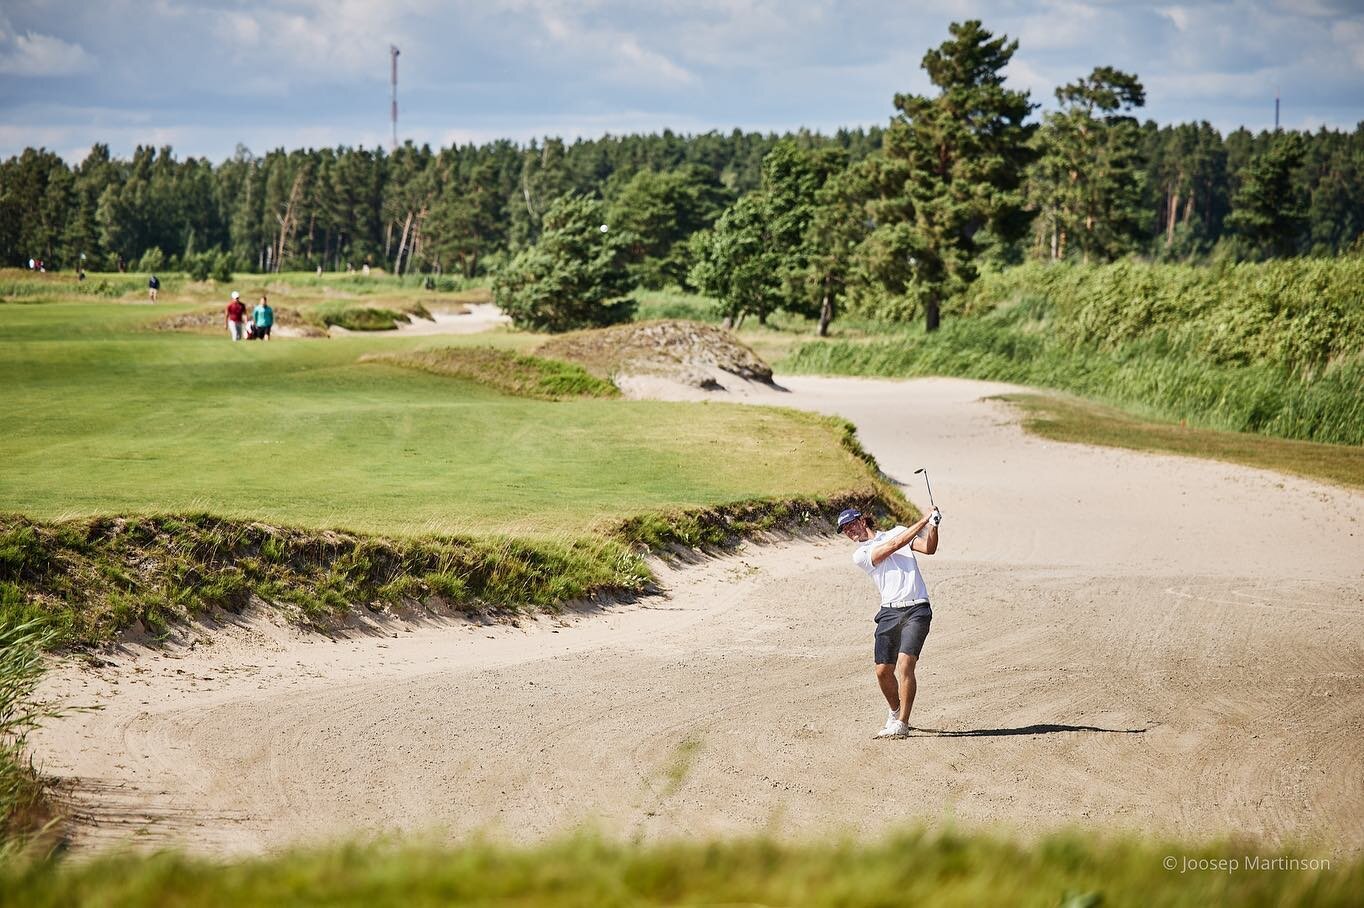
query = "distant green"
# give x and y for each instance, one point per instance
(101, 415)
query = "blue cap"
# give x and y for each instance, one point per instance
(848, 516)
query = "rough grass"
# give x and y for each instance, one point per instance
(1296, 315)
(88, 581)
(508, 372)
(25, 811)
(1082, 422)
(910, 868)
(1148, 377)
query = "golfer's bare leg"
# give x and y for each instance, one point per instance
(907, 685)
(890, 688)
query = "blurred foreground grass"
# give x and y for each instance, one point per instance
(911, 868)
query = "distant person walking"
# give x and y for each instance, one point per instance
(905, 614)
(236, 317)
(153, 285)
(262, 317)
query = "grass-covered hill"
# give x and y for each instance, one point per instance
(1275, 348)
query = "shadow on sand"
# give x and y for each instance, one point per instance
(1040, 729)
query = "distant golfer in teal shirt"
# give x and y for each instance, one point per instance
(263, 317)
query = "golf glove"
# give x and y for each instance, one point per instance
(936, 517)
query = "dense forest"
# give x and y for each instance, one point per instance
(456, 209)
(1086, 181)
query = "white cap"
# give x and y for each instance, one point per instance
(236, 295)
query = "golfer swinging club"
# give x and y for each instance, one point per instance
(902, 623)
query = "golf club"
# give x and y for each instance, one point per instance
(924, 471)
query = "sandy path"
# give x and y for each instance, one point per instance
(1122, 640)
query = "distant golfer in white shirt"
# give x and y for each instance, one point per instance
(905, 615)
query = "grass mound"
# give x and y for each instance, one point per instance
(947, 869)
(509, 372)
(358, 317)
(680, 350)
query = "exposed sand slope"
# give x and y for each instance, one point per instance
(1121, 641)
(473, 318)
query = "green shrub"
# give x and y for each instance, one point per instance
(199, 265)
(152, 260)
(222, 268)
(574, 277)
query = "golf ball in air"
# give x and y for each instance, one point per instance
(604, 228)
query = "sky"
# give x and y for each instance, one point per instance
(205, 77)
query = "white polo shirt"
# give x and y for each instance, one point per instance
(897, 577)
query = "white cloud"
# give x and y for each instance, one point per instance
(35, 55)
(1350, 38)
(1062, 24)
(207, 73)
(1176, 14)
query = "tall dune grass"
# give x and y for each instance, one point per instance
(1276, 349)
(23, 807)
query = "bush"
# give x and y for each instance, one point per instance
(222, 268)
(574, 277)
(153, 260)
(199, 265)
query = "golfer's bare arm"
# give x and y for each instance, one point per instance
(909, 537)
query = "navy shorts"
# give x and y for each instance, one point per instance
(901, 630)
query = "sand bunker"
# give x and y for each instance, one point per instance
(1121, 641)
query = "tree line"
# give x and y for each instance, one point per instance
(889, 220)
(458, 209)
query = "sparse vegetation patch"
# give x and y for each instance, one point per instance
(670, 348)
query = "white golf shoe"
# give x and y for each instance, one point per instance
(894, 729)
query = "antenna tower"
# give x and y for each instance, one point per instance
(393, 80)
(1276, 110)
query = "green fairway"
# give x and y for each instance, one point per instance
(102, 415)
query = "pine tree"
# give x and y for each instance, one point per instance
(1085, 184)
(574, 277)
(962, 154)
(1269, 210)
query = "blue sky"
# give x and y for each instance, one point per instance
(205, 76)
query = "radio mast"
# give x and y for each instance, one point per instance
(393, 80)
